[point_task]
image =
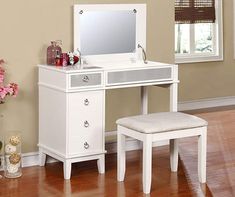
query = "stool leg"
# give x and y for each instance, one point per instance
(121, 156)
(174, 154)
(202, 157)
(147, 163)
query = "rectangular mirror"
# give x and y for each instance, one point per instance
(107, 32)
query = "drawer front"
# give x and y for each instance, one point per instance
(86, 144)
(85, 122)
(85, 106)
(135, 76)
(85, 80)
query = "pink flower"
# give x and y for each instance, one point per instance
(2, 72)
(3, 93)
(12, 89)
(9, 90)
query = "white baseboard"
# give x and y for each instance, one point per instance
(32, 159)
(206, 103)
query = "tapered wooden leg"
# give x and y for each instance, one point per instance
(144, 99)
(174, 97)
(121, 157)
(147, 163)
(174, 154)
(67, 169)
(202, 144)
(101, 164)
(42, 158)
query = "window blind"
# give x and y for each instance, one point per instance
(194, 11)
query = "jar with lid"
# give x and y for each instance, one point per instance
(52, 51)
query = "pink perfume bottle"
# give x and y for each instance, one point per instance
(52, 51)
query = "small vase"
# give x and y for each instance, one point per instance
(12, 155)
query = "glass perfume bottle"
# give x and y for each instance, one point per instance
(52, 51)
(57, 59)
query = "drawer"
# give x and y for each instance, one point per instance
(85, 80)
(86, 105)
(86, 144)
(141, 75)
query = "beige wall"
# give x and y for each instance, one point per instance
(214, 79)
(28, 26)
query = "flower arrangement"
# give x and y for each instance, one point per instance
(10, 89)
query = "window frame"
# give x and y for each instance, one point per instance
(217, 55)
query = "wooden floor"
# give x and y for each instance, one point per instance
(48, 181)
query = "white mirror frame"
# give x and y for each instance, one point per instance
(140, 30)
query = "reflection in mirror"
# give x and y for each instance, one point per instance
(107, 32)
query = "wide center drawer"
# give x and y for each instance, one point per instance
(85, 80)
(140, 75)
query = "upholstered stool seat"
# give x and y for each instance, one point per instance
(161, 126)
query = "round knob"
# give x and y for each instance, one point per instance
(86, 145)
(86, 124)
(85, 78)
(86, 102)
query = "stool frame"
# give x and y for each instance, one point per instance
(148, 139)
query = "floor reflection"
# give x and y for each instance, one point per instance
(87, 182)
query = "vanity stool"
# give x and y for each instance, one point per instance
(161, 126)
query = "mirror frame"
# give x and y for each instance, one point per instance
(140, 30)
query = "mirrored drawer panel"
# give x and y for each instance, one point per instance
(84, 80)
(134, 76)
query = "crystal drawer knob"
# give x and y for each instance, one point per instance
(85, 79)
(86, 124)
(86, 145)
(86, 102)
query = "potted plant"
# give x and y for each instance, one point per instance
(6, 90)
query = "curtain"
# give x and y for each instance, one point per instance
(194, 11)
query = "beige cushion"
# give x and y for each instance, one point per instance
(161, 122)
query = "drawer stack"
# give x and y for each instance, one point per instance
(85, 121)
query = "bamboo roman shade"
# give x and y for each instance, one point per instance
(194, 11)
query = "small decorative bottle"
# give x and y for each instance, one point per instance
(57, 59)
(52, 52)
(12, 155)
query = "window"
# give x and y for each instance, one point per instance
(198, 31)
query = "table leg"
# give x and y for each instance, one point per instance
(144, 100)
(174, 97)
(67, 169)
(42, 157)
(101, 164)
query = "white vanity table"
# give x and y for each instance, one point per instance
(72, 99)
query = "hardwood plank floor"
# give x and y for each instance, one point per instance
(85, 182)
